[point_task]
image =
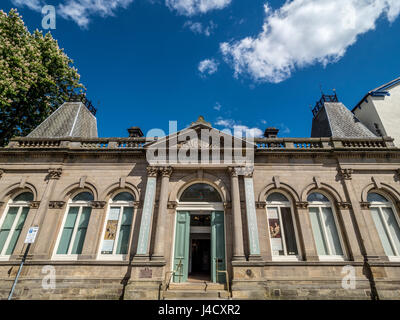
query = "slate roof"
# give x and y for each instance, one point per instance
(72, 119)
(335, 120)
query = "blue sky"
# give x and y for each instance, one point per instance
(147, 62)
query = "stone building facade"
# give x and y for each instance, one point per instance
(114, 225)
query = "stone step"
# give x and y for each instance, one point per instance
(195, 295)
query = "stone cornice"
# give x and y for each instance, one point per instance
(56, 204)
(55, 173)
(34, 204)
(344, 205)
(301, 204)
(98, 204)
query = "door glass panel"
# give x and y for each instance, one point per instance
(382, 232)
(68, 230)
(274, 226)
(331, 230)
(290, 236)
(317, 231)
(393, 226)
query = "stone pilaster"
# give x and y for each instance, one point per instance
(254, 245)
(40, 249)
(238, 250)
(159, 247)
(370, 244)
(309, 249)
(147, 214)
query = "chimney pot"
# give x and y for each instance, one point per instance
(135, 132)
(271, 132)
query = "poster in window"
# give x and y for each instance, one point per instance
(276, 237)
(109, 236)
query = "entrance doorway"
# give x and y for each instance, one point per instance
(200, 266)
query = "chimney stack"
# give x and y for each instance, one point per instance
(271, 132)
(135, 132)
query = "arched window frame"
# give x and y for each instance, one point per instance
(280, 205)
(387, 204)
(71, 204)
(13, 204)
(319, 205)
(219, 206)
(121, 205)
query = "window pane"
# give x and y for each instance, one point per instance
(277, 197)
(17, 231)
(200, 192)
(111, 230)
(7, 224)
(332, 233)
(275, 232)
(382, 232)
(81, 231)
(126, 223)
(394, 229)
(317, 197)
(317, 231)
(374, 197)
(68, 229)
(290, 236)
(26, 196)
(83, 196)
(124, 196)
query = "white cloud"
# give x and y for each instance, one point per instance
(239, 130)
(208, 66)
(31, 4)
(305, 32)
(217, 106)
(199, 28)
(81, 10)
(192, 7)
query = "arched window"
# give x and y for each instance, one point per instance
(13, 222)
(281, 226)
(200, 192)
(118, 225)
(386, 220)
(324, 226)
(75, 225)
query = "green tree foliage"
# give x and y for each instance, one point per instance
(36, 77)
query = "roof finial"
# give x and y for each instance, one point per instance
(201, 120)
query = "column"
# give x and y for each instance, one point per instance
(254, 245)
(238, 251)
(309, 248)
(147, 213)
(159, 253)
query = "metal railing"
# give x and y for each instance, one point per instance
(171, 274)
(217, 262)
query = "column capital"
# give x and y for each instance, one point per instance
(166, 171)
(346, 174)
(136, 204)
(248, 171)
(233, 171)
(98, 204)
(34, 204)
(227, 205)
(172, 204)
(2, 172)
(344, 205)
(397, 172)
(301, 204)
(152, 171)
(55, 173)
(365, 205)
(261, 204)
(56, 204)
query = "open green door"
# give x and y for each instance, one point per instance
(181, 254)
(218, 247)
